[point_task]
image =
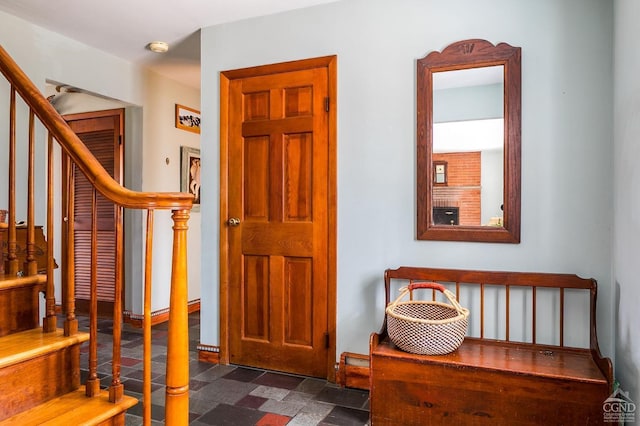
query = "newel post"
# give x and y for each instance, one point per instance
(177, 390)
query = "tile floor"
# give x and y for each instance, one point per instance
(226, 394)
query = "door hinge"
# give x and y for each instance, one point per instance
(119, 139)
(327, 340)
(326, 104)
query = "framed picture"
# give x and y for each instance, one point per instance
(440, 173)
(187, 118)
(190, 175)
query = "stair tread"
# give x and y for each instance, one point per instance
(73, 408)
(19, 347)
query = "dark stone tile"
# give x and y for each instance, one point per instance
(251, 401)
(133, 385)
(161, 326)
(344, 397)
(279, 380)
(229, 415)
(244, 374)
(157, 411)
(224, 391)
(192, 417)
(311, 386)
(160, 334)
(214, 373)
(159, 358)
(343, 416)
(197, 384)
(139, 375)
(130, 336)
(130, 362)
(133, 344)
(197, 367)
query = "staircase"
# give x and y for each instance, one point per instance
(40, 359)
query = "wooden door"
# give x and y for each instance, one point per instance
(278, 217)
(102, 133)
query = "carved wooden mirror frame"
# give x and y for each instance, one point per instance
(457, 56)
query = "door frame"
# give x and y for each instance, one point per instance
(330, 63)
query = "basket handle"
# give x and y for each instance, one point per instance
(432, 285)
(435, 286)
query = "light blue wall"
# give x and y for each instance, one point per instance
(566, 139)
(626, 268)
(468, 103)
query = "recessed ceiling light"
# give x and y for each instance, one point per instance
(158, 46)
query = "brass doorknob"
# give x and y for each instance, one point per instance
(234, 221)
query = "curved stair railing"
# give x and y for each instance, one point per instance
(74, 151)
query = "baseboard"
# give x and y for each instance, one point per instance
(208, 353)
(157, 317)
(353, 371)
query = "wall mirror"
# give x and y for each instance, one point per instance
(468, 118)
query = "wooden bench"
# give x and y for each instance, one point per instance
(517, 364)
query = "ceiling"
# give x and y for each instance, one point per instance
(124, 28)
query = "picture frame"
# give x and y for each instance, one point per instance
(187, 119)
(440, 173)
(190, 173)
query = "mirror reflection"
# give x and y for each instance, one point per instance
(468, 147)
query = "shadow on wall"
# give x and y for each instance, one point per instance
(624, 362)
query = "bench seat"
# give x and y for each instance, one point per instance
(487, 381)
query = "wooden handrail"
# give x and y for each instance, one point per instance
(80, 154)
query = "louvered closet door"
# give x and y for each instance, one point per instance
(101, 132)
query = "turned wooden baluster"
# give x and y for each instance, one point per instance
(11, 266)
(49, 323)
(146, 322)
(30, 266)
(69, 288)
(177, 391)
(93, 383)
(116, 389)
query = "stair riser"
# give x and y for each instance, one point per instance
(18, 309)
(27, 384)
(117, 420)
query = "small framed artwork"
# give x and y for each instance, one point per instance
(190, 173)
(439, 172)
(187, 118)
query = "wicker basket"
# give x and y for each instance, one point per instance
(426, 327)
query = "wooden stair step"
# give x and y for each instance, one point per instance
(19, 302)
(74, 408)
(25, 345)
(36, 367)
